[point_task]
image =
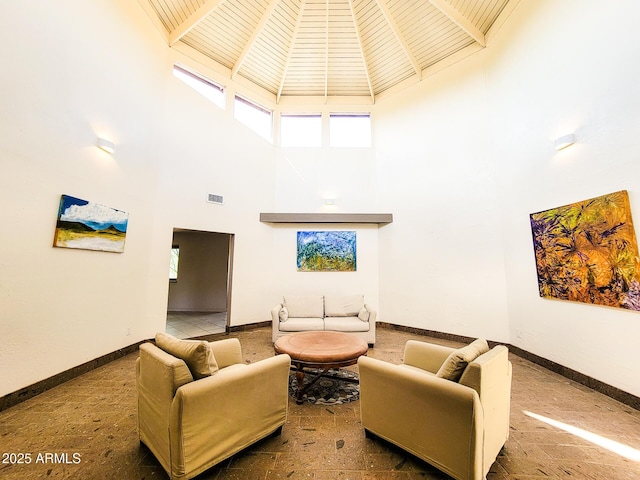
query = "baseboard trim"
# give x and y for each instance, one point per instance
(250, 326)
(596, 385)
(42, 386)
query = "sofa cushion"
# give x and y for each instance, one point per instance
(283, 315)
(363, 315)
(343, 305)
(309, 306)
(457, 361)
(345, 324)
(302, 324)
(195, 353)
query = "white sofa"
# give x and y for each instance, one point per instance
(338, 313)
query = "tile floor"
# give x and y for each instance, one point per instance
(195, 324)
(91, 420)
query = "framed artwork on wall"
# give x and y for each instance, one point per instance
(587, 252)
(329, 251)
(88, 226)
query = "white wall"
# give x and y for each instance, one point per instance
(106, 71)
(304, 177)
(466, 156)
(561, 67)
(441, 260)
(288, 281)
(65, 82)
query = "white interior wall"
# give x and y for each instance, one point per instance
(107, 71)
(551, 75)
(441, 260)
(65, 82)
(304, 178)
(466, 156)
(207, 151)
(288, 281)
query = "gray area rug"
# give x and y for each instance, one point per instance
(325, 390)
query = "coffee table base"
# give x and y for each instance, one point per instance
(300, 375)
(319, 349)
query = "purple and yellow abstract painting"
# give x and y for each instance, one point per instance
(587, 252)
(331, 251)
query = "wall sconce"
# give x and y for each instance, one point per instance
(106, 145)
(565, 141)
(329, 201)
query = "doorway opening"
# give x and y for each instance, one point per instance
(200, 274)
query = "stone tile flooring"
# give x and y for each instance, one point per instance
(86, 429)
(195, 324)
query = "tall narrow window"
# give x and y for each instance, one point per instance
(173, 264)
(301, 130)
(205, 87)
(350, 130)
(257, 118)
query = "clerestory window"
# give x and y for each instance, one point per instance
(204, 86)
(350, 130)
(301, 130)
(254, 116)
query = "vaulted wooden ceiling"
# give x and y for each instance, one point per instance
(327, 48)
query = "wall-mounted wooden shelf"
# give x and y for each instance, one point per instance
(379, 218)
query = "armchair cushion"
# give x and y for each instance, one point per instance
(196, 354)
(283, 314)
(457, 361)
(304, 306)
(343, 305)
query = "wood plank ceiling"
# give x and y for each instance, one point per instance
(326, 48)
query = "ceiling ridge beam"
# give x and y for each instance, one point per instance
(460, 20)
(290, 52)
(364, 57)
(194, 19)
(254, 36)
(326, 53)
(396, 31)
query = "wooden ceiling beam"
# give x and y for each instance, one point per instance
(254, 36)
(382, 4)
(460, 20)
(364, 57)
(194, 19)
(290, 52)
(326, 57)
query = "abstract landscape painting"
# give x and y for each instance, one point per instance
(331, 251)
(587, 252)
(89, 226)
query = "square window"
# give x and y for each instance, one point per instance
(350, 130)
(301, 130)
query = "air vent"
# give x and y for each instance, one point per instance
(211, 198)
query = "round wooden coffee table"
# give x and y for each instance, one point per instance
(322, 350)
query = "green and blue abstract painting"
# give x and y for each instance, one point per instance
(329, 251)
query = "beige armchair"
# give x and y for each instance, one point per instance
(458, 425)
(191, 425)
